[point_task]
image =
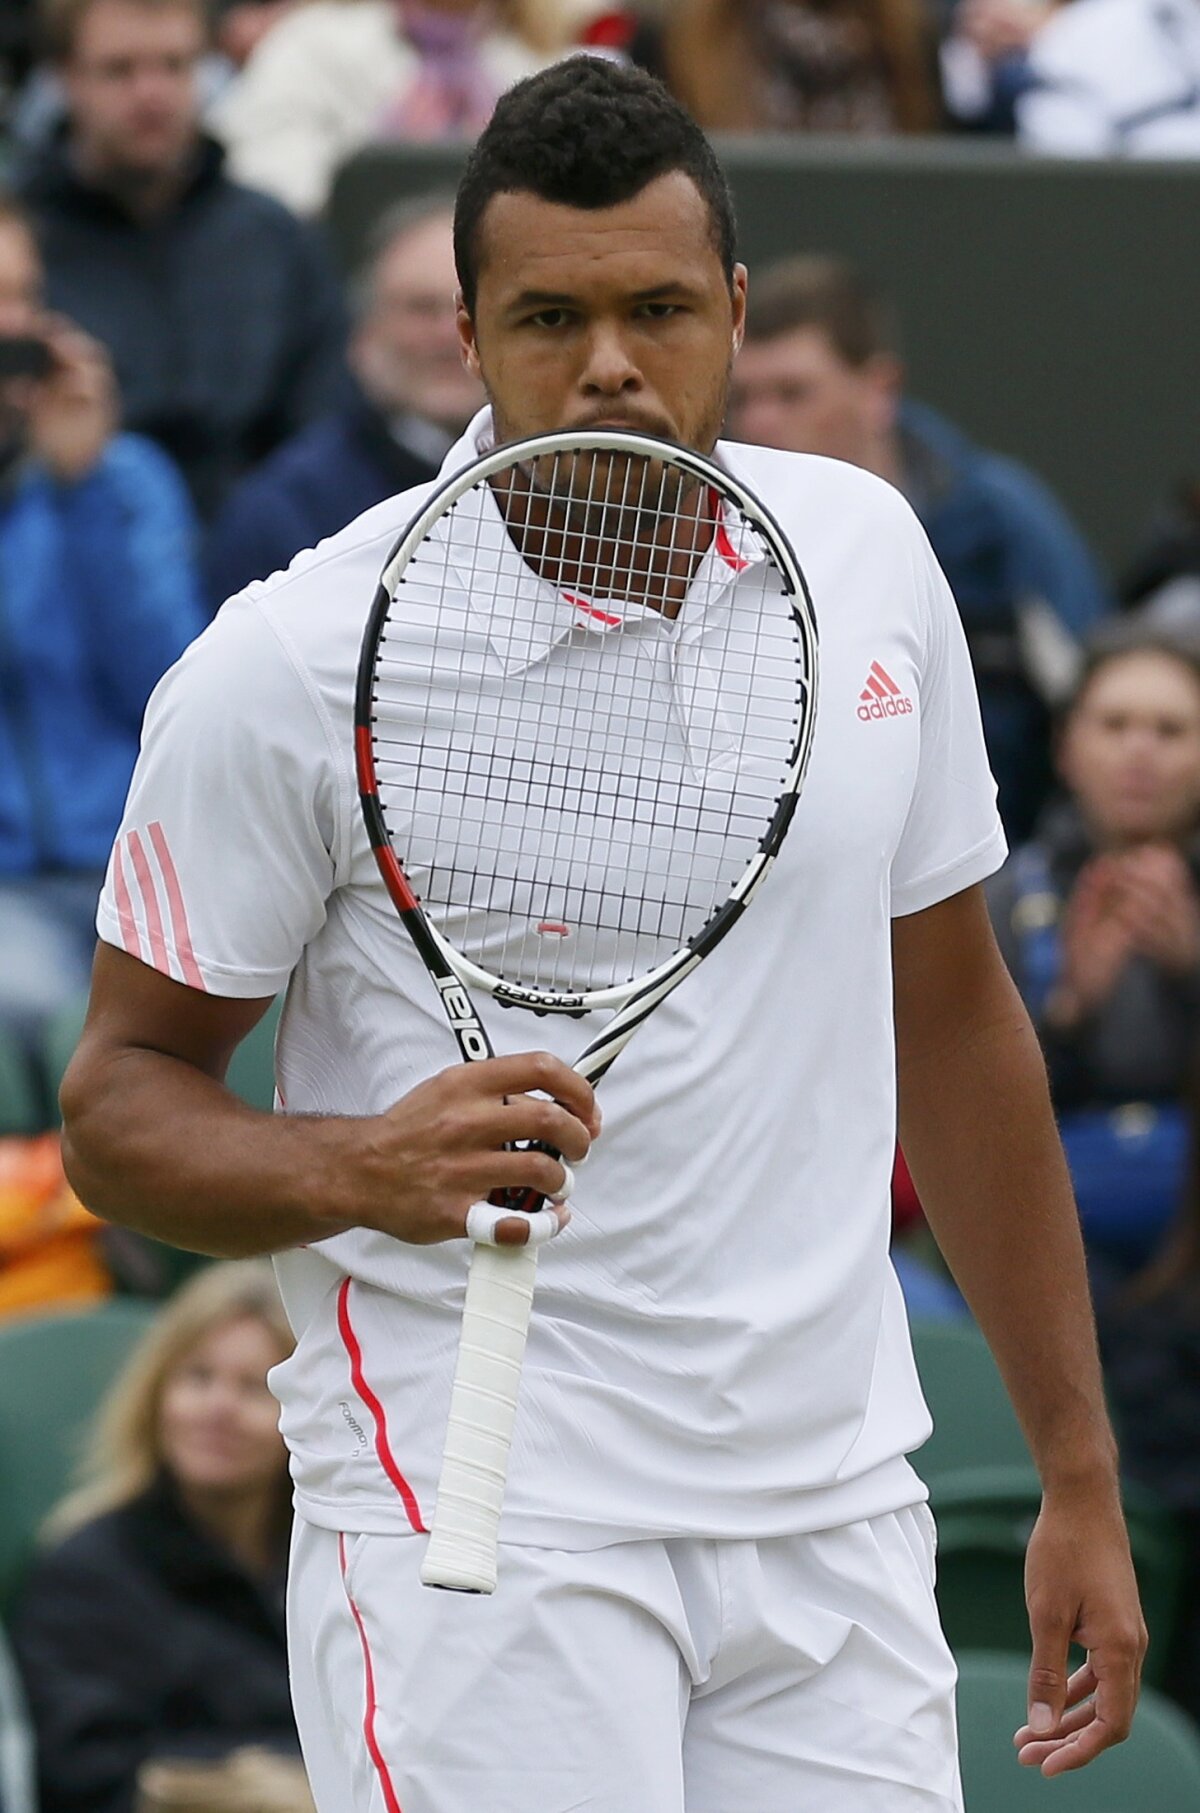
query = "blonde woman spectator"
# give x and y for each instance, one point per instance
(338, 73)
(154, 1627)
(861, 66)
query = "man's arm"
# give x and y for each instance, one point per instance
(978, 1133)
(153, 1140)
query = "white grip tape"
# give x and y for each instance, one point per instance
(466, 1519)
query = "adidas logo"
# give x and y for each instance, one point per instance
(881, 697)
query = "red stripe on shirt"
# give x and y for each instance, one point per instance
(131, 936)
(180, 929)
(391, 1801)
(383, 1448)
(145, 886)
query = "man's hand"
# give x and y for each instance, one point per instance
(72, 411)
(418, 1168)
(1080, 1587)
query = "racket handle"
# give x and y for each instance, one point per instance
(466, 1520)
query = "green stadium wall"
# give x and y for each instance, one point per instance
(1052, 308)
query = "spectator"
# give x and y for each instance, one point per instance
(1099, 920)
(222, 313)
(819, 373)
(1163, 582)
(985, 60)
(413, 397)
(98, 596)
(334, 76)
(154, 1627)
(863, 66)
(1150, 1344)
(1115, 78)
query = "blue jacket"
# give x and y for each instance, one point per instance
(223, 317)
(1002, 539)
(98, 596)
(309, 488)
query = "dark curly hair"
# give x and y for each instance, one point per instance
(589, 133)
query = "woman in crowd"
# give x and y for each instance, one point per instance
(1099, 919)
(154, 1626)
(863, 66)
(1150, 1340)
(337, 74)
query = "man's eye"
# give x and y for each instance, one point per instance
(549, 317)
(659, 311)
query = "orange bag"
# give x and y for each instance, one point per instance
(49, 1243)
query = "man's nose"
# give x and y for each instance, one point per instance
(610, 369)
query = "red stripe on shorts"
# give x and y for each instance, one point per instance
(373, 1750)
(383, 1449)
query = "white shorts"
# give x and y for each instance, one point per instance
(801, 1673)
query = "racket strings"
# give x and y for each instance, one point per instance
(572, 812)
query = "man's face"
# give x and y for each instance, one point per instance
(797, 393)
(20, 318)
(406, 352)
(131, 87)
(618, 317)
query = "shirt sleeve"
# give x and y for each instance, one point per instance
(231, 840)
(952, 837)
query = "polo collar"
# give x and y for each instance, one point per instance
(522, 615)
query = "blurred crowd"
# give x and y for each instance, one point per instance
(190, 394)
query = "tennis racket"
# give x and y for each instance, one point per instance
(585, 703)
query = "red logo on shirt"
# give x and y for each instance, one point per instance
(881, 697)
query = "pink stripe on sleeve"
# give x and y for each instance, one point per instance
(131, 936)
(144, 882)
(180, 929)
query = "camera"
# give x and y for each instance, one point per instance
(24, 356)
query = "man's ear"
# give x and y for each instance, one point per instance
(738, 297)
(466, 335)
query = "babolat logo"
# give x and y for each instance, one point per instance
(509, 996)
(463, 1019)
(881, 697)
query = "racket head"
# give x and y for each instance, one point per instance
(569, 791)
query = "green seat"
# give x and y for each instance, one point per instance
(985, 1516)
(251, 1072)
(54, 1370)
(60, 1036)
(1157, 1769)
(974, 1425)
(17, 1791)
(20, 1109)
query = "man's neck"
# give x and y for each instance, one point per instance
(886, 460)
(146, 195)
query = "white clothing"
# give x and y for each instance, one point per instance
(316, 87)
(801, 1672)
(719, 1345)
(1115, 78)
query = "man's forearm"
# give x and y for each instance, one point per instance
(979, 1137)
(155, 1145)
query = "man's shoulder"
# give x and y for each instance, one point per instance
(322, 598)
(806, 490)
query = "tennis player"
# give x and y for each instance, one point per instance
(717, 1563)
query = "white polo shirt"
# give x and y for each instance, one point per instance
(719, 1345)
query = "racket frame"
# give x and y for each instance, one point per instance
(462, 1551)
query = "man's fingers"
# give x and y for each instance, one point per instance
(537, 1073)
(532, 1117)
(1051, 1630)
